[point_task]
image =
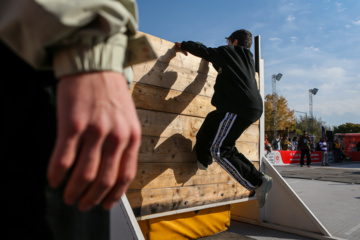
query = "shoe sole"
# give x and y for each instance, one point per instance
(267, 189)
(201, 167)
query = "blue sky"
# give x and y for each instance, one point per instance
(313, 43)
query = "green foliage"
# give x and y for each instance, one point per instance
(298, 132)
(302, 123)
(311, 126)
(347, 128)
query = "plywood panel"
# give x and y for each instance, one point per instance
(171, 101)
(173, 96)
(179, 149)
(166, 124)
(150, 201)
(173, 69)
(161, 175)
(175, 78)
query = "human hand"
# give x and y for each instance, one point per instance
(98, 139)
(178, 48)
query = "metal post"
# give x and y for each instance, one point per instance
(311, 112)
(274, 104)
(312, 92)
(274, 79)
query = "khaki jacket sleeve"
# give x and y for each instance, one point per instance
(69, 36)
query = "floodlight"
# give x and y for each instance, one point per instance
(314, 91)
(278, 76)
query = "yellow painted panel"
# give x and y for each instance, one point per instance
(144, 226)
(247, 209)
(191, 225)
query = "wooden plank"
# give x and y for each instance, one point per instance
(172, 65)
(162, 175)
(167, 149)
(167, 124)
(166, 54)
(250, 150)
(159, 99)
(176, 78)
(149, 201)
(171, 101)
(177, 149)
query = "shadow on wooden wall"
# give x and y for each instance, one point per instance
(176, 148)
(173, 96)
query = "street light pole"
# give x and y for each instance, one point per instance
(311, 93)
(275, 78)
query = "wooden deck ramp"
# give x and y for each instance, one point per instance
(172, 96)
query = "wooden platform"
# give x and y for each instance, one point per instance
(172, 96)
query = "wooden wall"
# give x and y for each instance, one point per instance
(172, 95)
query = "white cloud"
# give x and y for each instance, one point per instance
(293, 39)
(275, 39)
(290, 18)
(294, 7)
(357, 22)
(339, 7)
(338, 90)
(312, 48)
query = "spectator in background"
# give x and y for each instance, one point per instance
(287, 146)
(276, 143)
(342, 154)
(324, 156)
(337, 150)
(304, 146)
(267, 145)
(294, 144)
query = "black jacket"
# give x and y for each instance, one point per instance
(235, 87)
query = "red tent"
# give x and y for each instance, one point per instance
(348, 141)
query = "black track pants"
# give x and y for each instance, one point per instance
(308, 157)
(216, 140)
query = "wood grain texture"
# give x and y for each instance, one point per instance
(179, 149)
(150, 201)
(173, 96)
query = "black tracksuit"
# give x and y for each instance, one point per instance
(238, 104)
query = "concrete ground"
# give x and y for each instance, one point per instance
(332, 193)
